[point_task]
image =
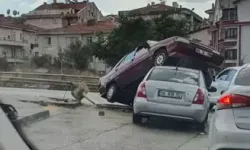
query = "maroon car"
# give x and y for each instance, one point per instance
(121, 82)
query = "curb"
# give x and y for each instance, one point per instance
(62, 104)
(33, 118)
(114, 107)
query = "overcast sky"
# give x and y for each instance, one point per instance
(107, 6)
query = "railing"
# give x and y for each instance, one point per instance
(45, 81)
(13, 42)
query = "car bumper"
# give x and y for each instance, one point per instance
(224, 134)
(213, 100)
(193, 113)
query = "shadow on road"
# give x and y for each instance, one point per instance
(170, 124)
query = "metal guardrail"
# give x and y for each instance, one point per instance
(45, 81)
(62, 77)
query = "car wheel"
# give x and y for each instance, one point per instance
(111, 93)
(137, 119)
(203, 127)
(160, 58)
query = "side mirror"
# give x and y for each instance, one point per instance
(212, 89)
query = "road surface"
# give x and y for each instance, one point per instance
(84, 129)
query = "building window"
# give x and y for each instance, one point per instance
(48, 40)
(89, 40)
(21, 36)
(36, 54)
(13, 53)
(231, 33)
(229, 14)
(71, 39)
(231, 54)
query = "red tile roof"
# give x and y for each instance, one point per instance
(77, 6)
(149, 9)
(81, 29)
(9, 22)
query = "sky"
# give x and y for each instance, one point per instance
(107, 6)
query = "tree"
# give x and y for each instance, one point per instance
(122, 40)
(8, 12)
(14, 12)
(78, 54)
(166, 26)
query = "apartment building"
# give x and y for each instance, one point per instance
(56, 15)
(51, 41)
(202, 35)
(17, 41)
(154, 10)
(225, 31)
(243, 23)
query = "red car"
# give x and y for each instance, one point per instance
(120, 84)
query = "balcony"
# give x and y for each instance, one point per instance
(15, 60)
(13, 42)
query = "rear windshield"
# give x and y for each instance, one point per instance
(243, 77)
(173, 75)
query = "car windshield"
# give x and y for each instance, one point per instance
(173, 75)
(243, 77)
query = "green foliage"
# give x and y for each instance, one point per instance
(122, 40)
(78, 55)
(135, 31)
(42, 61)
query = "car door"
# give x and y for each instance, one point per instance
(141, 63)
(123, 71)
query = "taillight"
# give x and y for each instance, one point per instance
(141, 92)
(199, 97)
(233, 101)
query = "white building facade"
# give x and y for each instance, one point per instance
(16, 43)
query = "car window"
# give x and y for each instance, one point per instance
(129, 57)
(243, 77)
(231, 75)
(223, 76)
(173, 75)
(141, 52)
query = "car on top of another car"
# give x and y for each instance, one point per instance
(120, 84)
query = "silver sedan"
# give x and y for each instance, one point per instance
(172, 92)
(230, 124)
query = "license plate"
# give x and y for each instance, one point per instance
(170, 94)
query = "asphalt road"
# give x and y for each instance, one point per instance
(84, 129)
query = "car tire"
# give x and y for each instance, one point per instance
(137, 119)
(160, 58)
(111, 93)
(203, 126)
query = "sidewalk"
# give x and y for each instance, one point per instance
(37, 95)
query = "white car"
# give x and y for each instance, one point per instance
(222, 82)
(230, 124)
(171, 92)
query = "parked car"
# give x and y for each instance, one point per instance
(121, 82)
(173, 92)
(222, 82)
(230, 124)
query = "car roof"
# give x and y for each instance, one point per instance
(235, 68)
(179, 68)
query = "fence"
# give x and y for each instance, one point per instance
(47, 81)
